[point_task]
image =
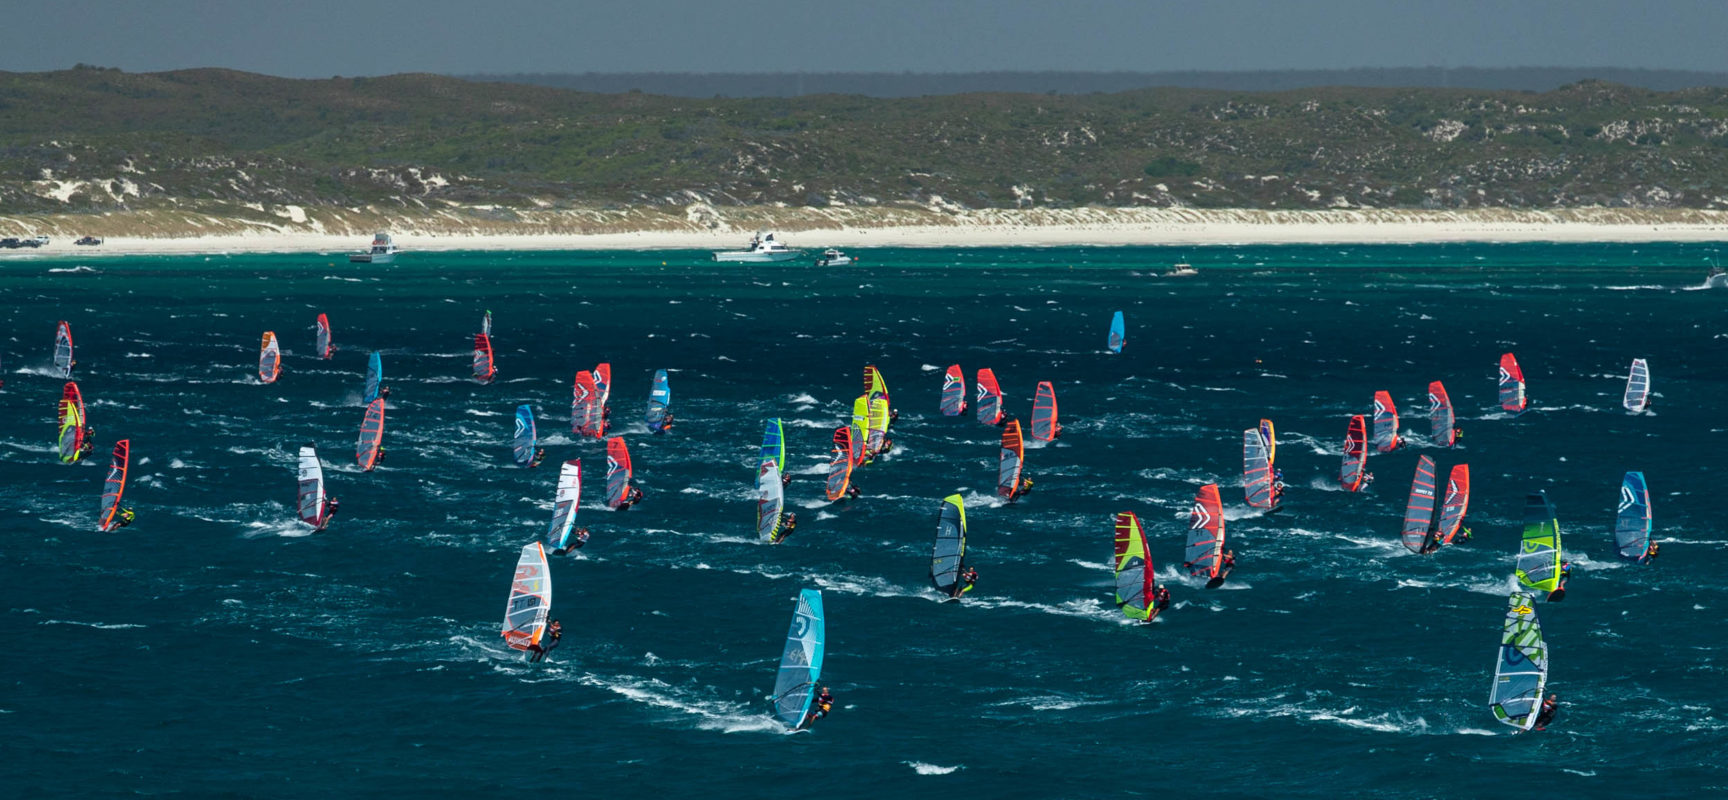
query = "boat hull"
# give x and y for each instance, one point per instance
(756, 258)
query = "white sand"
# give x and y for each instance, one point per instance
(814, 230)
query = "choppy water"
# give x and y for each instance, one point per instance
(215, 647)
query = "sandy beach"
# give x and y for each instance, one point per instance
(708, 228)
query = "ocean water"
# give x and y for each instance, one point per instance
(215, 647)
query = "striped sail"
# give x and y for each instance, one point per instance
(1442, 424)
(1044, 412)
(1256, 470)
(322, 345)
(484, 368)
(1355, 455)
(603, 385)
(989, 398)
(1419, 511)
(1632, 524)
(1269, 435)
(953, 391)
(1205, 553)
(1637, 387)
(114, 488)
(1521, 670)
(530, 599)
(774, 444)
(1010, 460)
(769, 501)
(269, 359)
(526, 439)
(565, 504)
(70, 442)
(1539, 554)
(1135, 582)
(63, 349)
(949, 555)
(1456, 504)
(310, 497)
(840, 466)
(801, 661)
(371, 435)
(1385, 423)
(1512, 385)
(618, 472)
(585, 412)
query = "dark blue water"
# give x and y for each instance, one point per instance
(215, 647)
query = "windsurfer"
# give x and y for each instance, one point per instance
(1025, 488)
(968, 579)
(893, 414)
(331, 506)
(1055, 431)
(1545, 716)
(605, 419)
(785, 478)
(1229, 563)
(1367, 478)
(384, 393)
(539, 456)
(1565, 575)
(577, 539)
(554, 637)
(1650, 555)
(124, 518)
(852, 491)
(788, 521)
(1457, 435)
(666, 425)
(380, 457)
(824, 704)
(632, 498)
(1463, 536)
(1161, 599)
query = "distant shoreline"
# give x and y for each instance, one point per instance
(703, 227)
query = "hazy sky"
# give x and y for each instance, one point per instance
(320, 38)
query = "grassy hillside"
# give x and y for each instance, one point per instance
(96, 140)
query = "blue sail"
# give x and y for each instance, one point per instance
(774, 444)
(1118, 333)
(1632, 525)
(526, 439)
(659, 402)
(801, 663)
(374, 376)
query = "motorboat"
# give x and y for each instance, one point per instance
(1182, 270)
(834, 258)
(1717, 279)
(383, 252)
(763, 248)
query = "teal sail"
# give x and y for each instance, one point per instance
(801, 663)
(774, 445)
(659, 403)
(1632, 525)
(526, 439)
(374, 376)
(1117, 333)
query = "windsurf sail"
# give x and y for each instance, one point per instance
(840, 467)
(311, 495)
(114, 488)
(618, 472)
(1011, 460)
(484, 369)
(63, 349)
(371, 435)
(1256, 470)
(860, 443)
(1135, 581)
(989, 398)
(565, 504)
(1269, 435)
(374, 376)
(1044, 412)
(323, 344)
(269, 359)
(1385, 423)
(526, 440)
(1205, 553)
(801, 663)
(949, 557)
(530, 599)
(1637, 387)
(1521, 672)
(659, 402)
(1355, 455)
(953, 391)
(1539, 555)
(603, 385)
(1442, 426)
(586, 415)
(1118, 333)
(774, 444)
(874, 386)
(486, 323)
(1456, 504)
(769, 500)
(1632, 525)
(1419, 511)
(72, 422)
(878, 423)
(1512, 385)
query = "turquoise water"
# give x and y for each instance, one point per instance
(215, 647)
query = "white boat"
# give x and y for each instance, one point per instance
(1717, 279)
(834, 258)
(762, 249)
(383, 252)
(1182, 270)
